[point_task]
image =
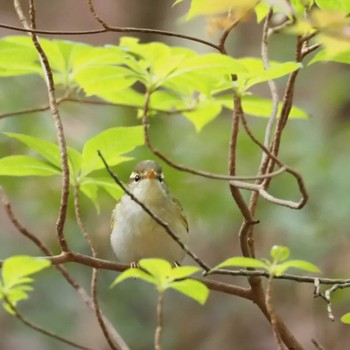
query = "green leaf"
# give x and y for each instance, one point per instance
(261, 11)
(242, 262)
(201, 72)
(50, 151)
(159, 269)
(193, 289)
(18, 57)
(341, 5)
(182, 272)
(260, 107)
(90, 190)
(107, 183)
(325, 55)
(134, 273)
(25, 166)
(214, 7)
(298, 264)
(276, 71)
(46, 149)
(205, 112)
(112, 143)
(279, 253)
(97, 79)
(20, 266)
(74, 161)
(346, 318)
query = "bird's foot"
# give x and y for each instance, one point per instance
(134, 265)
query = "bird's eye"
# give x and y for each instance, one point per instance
(160, 177)
(137, 178)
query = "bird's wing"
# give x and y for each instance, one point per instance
(182, 213)
(113, 220)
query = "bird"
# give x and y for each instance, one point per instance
(135, 234)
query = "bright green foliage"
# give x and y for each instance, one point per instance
(342, 57)
(342, 5)
(113, 143)
(177, 78)
(215, 7)
(260, 107)
(346, 318)
(242, 262)
(15, 283)
(277, 266)
(25, 166)
(161, 274)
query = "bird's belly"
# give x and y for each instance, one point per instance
(136, 236)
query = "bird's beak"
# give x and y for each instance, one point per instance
(151, 174)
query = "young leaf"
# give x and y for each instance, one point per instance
(298, 264)
(325, 55)
(20, 266)
(205, 112)
(134, 273)
(90, 190)
(50, 151)
(279, 253)
(159, 269)
(346, 318)
(193, 289)
(106, 183)
(182, 272)
(46, 149)
(337, 5)
(276, 71)
(18, 57)
(260, 107)
(112, 143)
(214, 7)
(97, 79)
(242, 262)
(25, 166)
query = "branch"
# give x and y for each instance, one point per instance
(271, 311)
(56, 117)
(40, 329)
(236, 194)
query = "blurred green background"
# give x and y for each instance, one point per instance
(318, 148)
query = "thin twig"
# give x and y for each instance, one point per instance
(40, 329)
(112, 29)
(94, 270)
(236, 194)
(318, 346)
(155, 217)
(272, 85)
(96, 16)
(262, 191)
(159, 329)
(56, 117)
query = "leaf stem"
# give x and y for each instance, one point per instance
(159, 329)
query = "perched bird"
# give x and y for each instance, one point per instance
(135, 234)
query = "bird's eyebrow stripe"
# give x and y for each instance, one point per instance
(133, 174)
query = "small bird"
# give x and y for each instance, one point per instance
(135, 234)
